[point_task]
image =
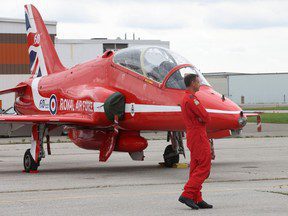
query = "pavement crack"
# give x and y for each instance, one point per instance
(130, 185)
(276, 192)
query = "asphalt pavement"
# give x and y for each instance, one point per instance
(249, 177)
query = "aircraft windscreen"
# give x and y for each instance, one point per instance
(129, 58)
(157, 62)
(152, 62)
(176, 80)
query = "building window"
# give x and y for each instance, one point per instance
(114, 46)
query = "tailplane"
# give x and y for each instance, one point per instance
(43, 56)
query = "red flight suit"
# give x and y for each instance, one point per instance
(195, 119)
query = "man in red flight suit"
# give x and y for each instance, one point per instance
(195, 119)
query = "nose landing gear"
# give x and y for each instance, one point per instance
(172, 152)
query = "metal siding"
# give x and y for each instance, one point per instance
(14, 54)
(86, 52)
(259, 89)
(20, 27)
(14, 69)
(220, 84)
(72, 54)
(164, 44)
(13, 38)
(10, 81)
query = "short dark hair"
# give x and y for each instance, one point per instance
(189, 78)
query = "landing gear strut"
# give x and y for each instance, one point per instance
(33, 156)
(172, 152)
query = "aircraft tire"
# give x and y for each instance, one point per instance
(29, 163)
(170, 156)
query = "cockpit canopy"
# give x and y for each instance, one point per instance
(155, 63)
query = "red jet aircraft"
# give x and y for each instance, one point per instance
(106, 102)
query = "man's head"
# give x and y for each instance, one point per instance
(192, 82)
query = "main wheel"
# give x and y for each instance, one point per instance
(29, 163)
(170, 156)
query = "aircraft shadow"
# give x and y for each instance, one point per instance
(119, 170)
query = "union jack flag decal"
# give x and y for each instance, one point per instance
(37, 63)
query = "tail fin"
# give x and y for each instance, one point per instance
(43, 56)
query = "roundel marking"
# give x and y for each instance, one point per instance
(53, 104)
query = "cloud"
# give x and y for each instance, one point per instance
(215, 35)
(248, 15)
(153, 16)
(152, 22)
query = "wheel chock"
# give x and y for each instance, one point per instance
(177, 165)
(181, 165)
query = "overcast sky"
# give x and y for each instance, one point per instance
(237, 36)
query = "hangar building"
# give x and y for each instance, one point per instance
(247, 88)
(14, 60)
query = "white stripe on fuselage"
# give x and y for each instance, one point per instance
(147, 108)
(129, 107)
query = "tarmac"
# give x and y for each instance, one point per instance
(268, 130)
(249, 177)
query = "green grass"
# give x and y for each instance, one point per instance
(267, 108)
(276, 118)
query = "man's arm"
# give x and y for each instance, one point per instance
(198, 109)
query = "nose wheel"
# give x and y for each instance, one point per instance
(29, 163)
(170, 156)
(172, 152)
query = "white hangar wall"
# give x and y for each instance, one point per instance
(9, 81)
(75, 52)
(218, 83)
(259, 88)
(72, 52)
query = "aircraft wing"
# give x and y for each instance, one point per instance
(49, 119)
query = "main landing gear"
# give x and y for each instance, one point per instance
(213, 156)
(29, 163)
(33, 156)
(172, 152)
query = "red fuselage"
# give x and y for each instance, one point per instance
(94, 81)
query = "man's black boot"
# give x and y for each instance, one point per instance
(204, 205)
(188, 202)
